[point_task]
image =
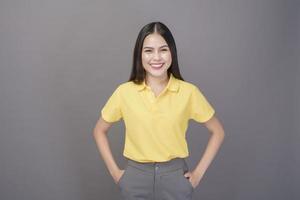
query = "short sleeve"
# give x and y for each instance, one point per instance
(111, 112)
(200, 109)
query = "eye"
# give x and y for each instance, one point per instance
(147, 50)
(164, 49)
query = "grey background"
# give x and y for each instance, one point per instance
(61, 60)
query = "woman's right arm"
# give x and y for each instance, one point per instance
(100, 135)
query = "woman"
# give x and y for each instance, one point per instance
(156, 104)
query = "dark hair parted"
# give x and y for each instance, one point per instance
(138, 73)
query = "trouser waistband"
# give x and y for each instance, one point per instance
(173, 164)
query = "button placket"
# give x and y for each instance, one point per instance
(151, 96)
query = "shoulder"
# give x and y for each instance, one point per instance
(190, 90)
(187, 86)
(125, 87)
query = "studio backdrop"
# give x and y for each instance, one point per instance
(61, 60)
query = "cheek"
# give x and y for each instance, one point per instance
(145, 60)
(168, 57)
(145, 57)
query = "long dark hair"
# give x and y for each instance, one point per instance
(138, 73)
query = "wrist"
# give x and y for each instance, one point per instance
(198, 173)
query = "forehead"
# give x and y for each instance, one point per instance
(154, 39)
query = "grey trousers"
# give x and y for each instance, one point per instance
(156, 181)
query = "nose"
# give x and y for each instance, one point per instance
(156, 56)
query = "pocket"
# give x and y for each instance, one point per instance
(122, 177)
(186, 180)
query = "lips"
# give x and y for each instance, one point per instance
(157, 65)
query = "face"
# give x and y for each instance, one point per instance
(156, 55)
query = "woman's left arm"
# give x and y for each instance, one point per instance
(215, 128)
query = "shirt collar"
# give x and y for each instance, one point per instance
(172, 85)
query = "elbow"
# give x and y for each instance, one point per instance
(222, 135)
(98, 132)
(219, 133)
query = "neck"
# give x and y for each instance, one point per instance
(157, 81)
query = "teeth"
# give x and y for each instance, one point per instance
(157, 65)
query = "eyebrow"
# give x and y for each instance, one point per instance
(159, 47)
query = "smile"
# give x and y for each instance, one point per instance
(157, 66)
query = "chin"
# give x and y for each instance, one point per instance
(157, 73)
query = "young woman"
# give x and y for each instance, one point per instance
(156, 104)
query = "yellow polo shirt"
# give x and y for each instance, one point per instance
(156, 126)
